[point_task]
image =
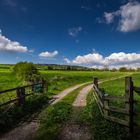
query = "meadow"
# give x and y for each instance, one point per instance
(56, 80)
(53, 117)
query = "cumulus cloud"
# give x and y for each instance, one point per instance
(114, 60)
(129, 17)
(123, 58)
(74, 32)
(48, 54)
(109, 17)
(7, 45)
(67, 60)
(93, 58)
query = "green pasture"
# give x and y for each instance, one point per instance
(52, 117)
(56, 80)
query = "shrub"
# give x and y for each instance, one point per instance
(26, 71)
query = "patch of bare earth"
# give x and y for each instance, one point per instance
(24, 132)
(75, 132)
(80, 101)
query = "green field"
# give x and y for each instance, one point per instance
(55, 116)
(57, 80)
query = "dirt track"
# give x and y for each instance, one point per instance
(26, 130)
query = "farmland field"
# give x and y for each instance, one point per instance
(60, 80)
(57, 80)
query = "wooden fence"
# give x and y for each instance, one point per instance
(22, 92)
(104, 100)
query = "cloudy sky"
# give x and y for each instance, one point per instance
(93, 33)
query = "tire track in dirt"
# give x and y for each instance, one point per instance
(81, 98)
(65, 92)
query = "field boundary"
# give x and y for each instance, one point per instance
(103, 100)
(24, 91)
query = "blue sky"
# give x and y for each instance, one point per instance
(94, 33)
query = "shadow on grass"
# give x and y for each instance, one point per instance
(17, 115)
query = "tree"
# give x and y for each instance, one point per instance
(26, 71)
(123, 69)
(138, 69)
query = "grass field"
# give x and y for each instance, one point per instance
(55, 116)
(57, 80)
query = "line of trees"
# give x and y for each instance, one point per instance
(67, 67)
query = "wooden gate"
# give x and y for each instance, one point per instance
(103, 100)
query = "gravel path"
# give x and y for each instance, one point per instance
(26, 131)
(65, 92)
(75, 132)
(23, 132)
(81, 98)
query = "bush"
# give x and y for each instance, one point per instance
(26, 71)
(123, 69)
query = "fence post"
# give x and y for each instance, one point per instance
(33, 88)
(20, 95)
(95, 81)
(129, 102)
(43, 85)
(106, 105)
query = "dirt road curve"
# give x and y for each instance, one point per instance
(65, 92)
(81, 98)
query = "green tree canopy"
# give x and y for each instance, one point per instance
(26, 71)
(123, 69)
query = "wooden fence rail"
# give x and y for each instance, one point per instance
(103, 100)
(21, 92)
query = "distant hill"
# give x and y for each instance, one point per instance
(61, 67)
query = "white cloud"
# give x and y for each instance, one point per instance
(74, 32)
(11, 46)
(48, 54)
(31, 51)
(129, 17)
(123, 58)
(114, 60)
(67, 60)
(109, 17)
(88, 59)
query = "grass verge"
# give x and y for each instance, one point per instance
(101, 129)
(55, 116)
